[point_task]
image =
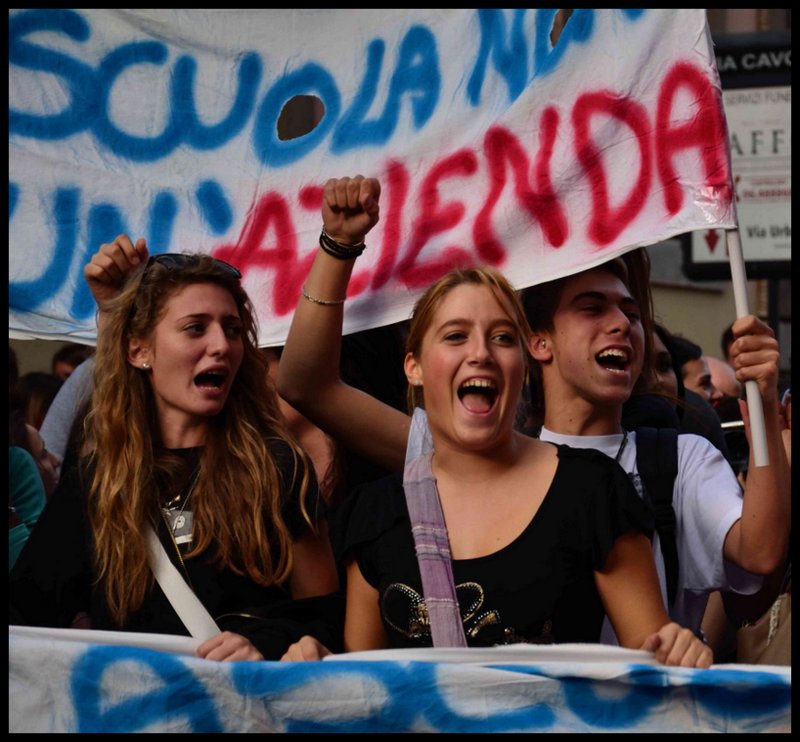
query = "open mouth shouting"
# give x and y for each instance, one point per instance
(212, 380)
(478, 395)
(616, 360)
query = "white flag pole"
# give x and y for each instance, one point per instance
(755, 409)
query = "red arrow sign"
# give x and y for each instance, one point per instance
(711, 239)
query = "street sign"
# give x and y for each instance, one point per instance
(755, 72)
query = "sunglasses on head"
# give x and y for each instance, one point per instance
(177, 261)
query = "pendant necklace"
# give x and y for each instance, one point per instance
(180, 519)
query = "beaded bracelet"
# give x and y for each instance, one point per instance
(339, 250)
(323, 302)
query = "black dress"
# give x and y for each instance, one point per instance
(539, 588)
(53, 578)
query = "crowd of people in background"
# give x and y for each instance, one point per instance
(34, 470)
(280, 480)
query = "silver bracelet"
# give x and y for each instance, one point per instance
(323, 302)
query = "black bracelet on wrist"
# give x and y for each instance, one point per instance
(339, 250)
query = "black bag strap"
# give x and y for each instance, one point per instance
(657, 462)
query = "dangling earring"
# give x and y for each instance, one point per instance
(145, 366)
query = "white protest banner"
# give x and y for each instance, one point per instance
(90, 684)
(492, 145)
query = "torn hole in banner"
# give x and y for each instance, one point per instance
(559, 21)
(300, 116)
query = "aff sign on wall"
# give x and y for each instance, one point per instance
(757, 95)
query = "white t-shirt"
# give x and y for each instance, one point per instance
(707, 501)
(60, 416)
